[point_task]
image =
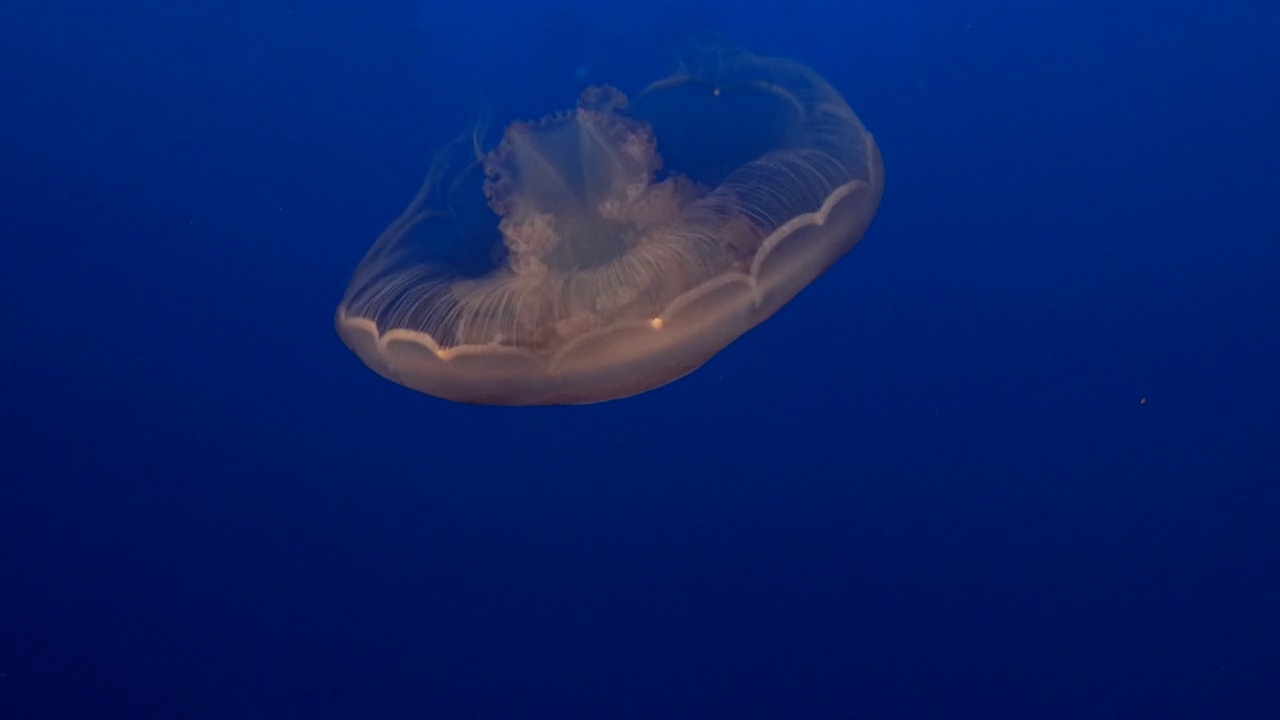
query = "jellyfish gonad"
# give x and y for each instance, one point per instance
(610, 249)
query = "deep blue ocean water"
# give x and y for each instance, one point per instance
(1016, 455)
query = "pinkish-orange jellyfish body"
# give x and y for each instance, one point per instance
(610, 249)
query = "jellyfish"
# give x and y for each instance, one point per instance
(610, 249)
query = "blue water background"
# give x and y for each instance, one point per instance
(1017, 455)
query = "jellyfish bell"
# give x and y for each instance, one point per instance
(610, 249)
